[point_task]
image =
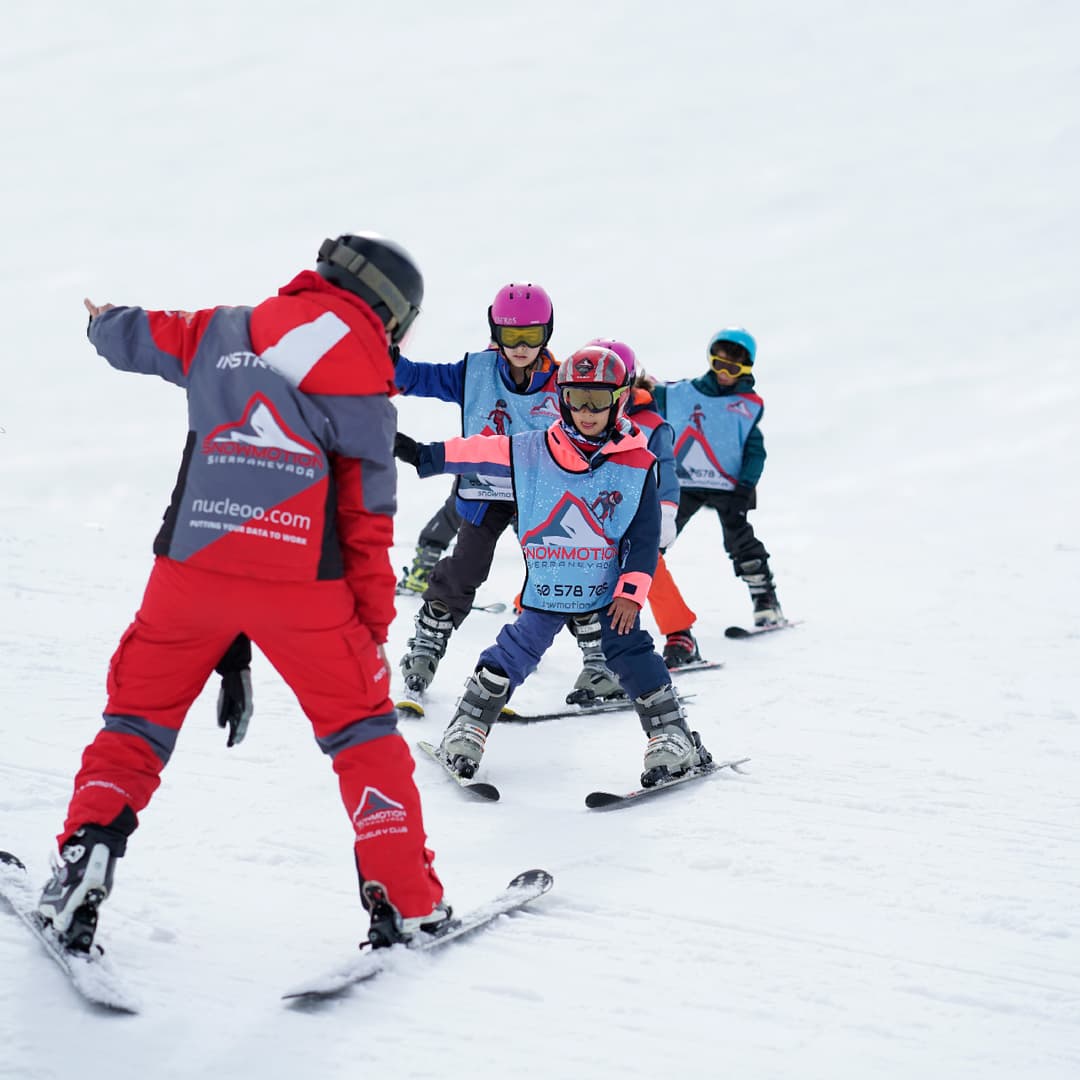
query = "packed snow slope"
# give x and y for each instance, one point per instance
(887, 196)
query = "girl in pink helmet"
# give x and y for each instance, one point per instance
(514, 376)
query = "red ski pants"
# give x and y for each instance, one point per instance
(310, 633)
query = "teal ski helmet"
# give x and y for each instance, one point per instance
(735, 335)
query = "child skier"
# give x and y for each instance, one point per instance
(590, 466)
(720, 455)
(597, 681)
(517, 370)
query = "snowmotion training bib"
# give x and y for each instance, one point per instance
(570, 525)
(490, 409)
(710, 433)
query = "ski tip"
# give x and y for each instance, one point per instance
(532, 879)
(7, 859)
(487, 792)
(496, 608)
(409, 710)
(597, 800)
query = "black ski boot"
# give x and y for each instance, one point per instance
(759, 580)
(81, 880)
(388, 927)
(680, 649)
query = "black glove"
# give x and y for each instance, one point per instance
(407, 450)
(235, 703)
(395, 355)
(741, 499)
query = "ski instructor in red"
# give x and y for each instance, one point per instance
(279, 527)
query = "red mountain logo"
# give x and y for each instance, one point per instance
(262, 433)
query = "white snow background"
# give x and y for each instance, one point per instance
(887, 195)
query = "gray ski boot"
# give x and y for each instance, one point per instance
(759, 580)
(479, 707)
(427, 646)
(673, 748)
(597, 681)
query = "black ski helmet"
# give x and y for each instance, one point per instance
(380, 272)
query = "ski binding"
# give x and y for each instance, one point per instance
(90, 973)
(522, 890)
(482, 790)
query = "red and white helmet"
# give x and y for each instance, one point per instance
(593, 368)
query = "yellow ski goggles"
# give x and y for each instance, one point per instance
(512, 336)
(594, 399)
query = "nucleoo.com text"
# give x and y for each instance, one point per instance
(229, 508)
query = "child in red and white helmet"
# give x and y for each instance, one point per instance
(589, 527)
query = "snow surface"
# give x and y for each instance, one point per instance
(887, 195)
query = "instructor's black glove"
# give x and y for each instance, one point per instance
(235, 703)
(407, 450)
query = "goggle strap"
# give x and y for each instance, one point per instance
(369, 274)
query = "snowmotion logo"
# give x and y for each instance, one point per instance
(261, 438)
(570, 534)
(378, 814)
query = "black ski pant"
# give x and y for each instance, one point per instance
(456, 578)
(739, 540)
(440, 531)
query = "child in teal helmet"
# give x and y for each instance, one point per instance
(719, 457)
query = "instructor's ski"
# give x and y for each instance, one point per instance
(89, 973)
(606, 800)
(482, 790)
(525, 888)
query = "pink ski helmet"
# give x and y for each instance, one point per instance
(522, 305)
(621, 350)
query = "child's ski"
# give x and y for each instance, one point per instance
(606, 800)
(488, 792)
(697, 665)
(496, 608)
(410, 707)
(623, 704)
(522, 890)
(89, 973)
(739, 632)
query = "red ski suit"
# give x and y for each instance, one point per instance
(279, 528)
